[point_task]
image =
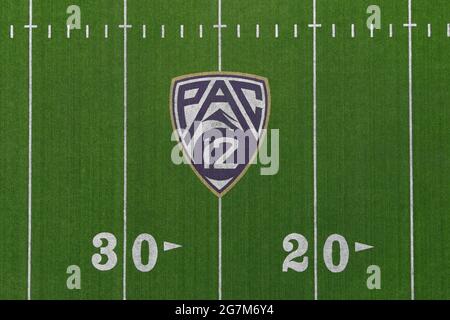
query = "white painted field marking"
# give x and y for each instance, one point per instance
(106, 31)
(163, 31)
(11, 32)
(257, 31)
(171, 246)
(30, 28)
(315, 26)
(276, 31)
(87, 31)
(68, 31)
(219, 27)
(181, 31)
(429, 30)
(362, 247)
(238, 31)
(372, 27)
(353, 30)
(49, 31)
(220, 249)
(333, 30)
(144, 31)
(411, 25)
(448, 30)
(125, 28)
(411, 168)
(295, 31)
(200, 31)
(391, 31)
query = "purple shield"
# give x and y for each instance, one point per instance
(220, 118)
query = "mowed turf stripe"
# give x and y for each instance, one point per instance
(165, 200)
(431, 150)
(261, 211)
(77, 150)
(13, 152)
(363, 152)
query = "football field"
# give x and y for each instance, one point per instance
(349, 198)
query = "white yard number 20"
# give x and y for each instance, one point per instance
(107, 242)
(301, 247)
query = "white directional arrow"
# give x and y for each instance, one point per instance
(361, 247)
(170, 246)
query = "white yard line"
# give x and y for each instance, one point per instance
(316, 292)
(411, 25)
(219, 293)
(219, 35)
(411, 172)
(125, 27)
(30, 27)
(219, 216)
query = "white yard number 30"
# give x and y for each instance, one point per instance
(299, 250)
(107, 258)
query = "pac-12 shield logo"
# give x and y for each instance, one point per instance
(220, 119)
